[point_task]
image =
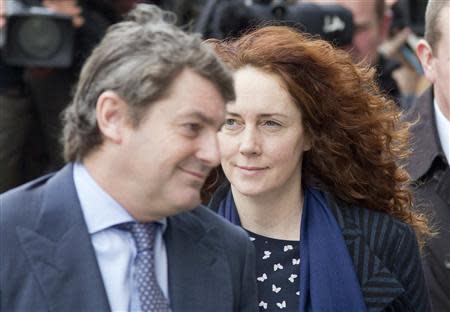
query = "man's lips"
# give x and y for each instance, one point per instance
(196, 174)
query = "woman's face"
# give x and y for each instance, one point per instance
(262, 140)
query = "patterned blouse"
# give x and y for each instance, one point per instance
(277, 273)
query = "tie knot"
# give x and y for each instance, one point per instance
(143, 234)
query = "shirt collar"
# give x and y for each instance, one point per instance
(443, 128)
(100, 210)
(426, 148)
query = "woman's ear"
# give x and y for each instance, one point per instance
(306, 142)
(112, 116)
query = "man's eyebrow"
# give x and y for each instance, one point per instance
(202, 117)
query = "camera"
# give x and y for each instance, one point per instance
(36, 36)
(414, 14)
(333, 23)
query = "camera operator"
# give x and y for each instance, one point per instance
(31, 99)
(372, 22)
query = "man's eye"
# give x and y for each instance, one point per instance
(192, 128)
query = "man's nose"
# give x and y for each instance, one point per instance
(208, 151)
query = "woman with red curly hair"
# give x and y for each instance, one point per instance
(310, 152)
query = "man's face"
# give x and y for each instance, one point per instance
(369, 30)
(169, 155)
(441, 64)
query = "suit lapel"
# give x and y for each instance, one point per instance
(379, 285)
(60, 251)
(425, 145)
(199, 276)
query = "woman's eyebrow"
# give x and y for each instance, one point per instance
(264, 115)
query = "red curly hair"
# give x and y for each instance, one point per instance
(358, 139)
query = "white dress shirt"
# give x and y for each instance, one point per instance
(443, 127)
(115, 249)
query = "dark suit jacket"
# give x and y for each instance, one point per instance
(47, 262)
(385, 255)
(430, 172)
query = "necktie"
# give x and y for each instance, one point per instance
(151, 297)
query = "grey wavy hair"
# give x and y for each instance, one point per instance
(137, 59)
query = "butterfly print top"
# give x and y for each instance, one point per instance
(277, 273)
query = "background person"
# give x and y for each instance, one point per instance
(113, 230)
(32, 99)
(430, 157)
(372, 22)
(310, 150)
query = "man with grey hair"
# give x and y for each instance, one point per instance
(429, 162)
(120, 227)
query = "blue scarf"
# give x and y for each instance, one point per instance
(328, 280)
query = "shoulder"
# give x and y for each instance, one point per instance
(20, 208)
(376, 232)
(204, 221)
(383, 247)
(421, 109)
(380, 229)
(213, 221)
(21, 205)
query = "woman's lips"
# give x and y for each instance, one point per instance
(250, 170)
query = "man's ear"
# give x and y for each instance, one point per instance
(112, 116)
(425, 55)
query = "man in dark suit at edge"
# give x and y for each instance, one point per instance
(430, 158)
(117, 228)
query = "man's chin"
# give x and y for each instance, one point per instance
(188, 202)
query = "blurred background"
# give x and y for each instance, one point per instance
(43, 44)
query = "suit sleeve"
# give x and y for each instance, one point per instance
(410, 272)
(248, 297)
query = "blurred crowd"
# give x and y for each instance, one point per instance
(33, 97)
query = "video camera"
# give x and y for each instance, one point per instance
(36, 36)
(413, 12)
(333, 23)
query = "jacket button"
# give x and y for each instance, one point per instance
(447, 262)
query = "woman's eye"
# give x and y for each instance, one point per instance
(271, 123)
(230, 123)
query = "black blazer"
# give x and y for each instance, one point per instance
(47, 261)
(430, 172)
(384, 252)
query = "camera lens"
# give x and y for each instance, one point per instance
(279, 12)
(39, 37)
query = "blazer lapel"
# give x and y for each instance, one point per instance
(199, 276)
(60, 251)
(379, 285)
